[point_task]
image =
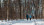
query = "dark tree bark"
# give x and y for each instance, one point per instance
(20, 7)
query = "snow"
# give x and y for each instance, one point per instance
(22, 22)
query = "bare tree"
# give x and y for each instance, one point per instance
(20, 7)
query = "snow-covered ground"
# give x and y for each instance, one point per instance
(23, 22)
